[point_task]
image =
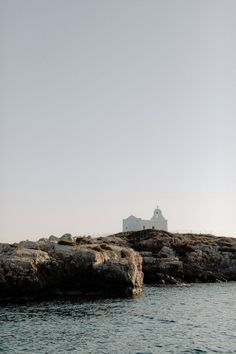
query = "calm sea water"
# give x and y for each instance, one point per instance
(200, 318)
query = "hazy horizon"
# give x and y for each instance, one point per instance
(109, 108)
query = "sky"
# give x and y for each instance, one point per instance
(108, 108)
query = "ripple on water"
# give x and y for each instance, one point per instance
(196, 319)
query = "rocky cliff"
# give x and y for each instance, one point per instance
(172, 258)
(68, 266)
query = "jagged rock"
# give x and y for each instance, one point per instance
(66, 239)
(108, 265)
(119, 241)
(80, 270)
(83, 240)
(53, 238)
(29, 244)
(182, 257)
(166, 252)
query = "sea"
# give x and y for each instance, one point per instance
(196, 318)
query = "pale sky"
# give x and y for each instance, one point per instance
(110, 107)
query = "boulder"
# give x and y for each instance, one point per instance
(29, 244)
(53, 238)
(67, 237)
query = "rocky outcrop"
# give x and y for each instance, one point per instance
(47, 268)
(172, 258)
(114, 264)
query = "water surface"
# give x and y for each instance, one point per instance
(200, 318)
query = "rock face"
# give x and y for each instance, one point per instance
(113, 265)
(172, 258)
(50, 268)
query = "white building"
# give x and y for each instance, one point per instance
(157, 222)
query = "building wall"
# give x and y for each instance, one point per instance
(137, 224)
(161, 223)
(132, 224)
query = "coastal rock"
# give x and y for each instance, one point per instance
(169, 258)
(66, 238)
(19, 270)
(113, 264)
(29, 244)
(62, 269)
(52, 238)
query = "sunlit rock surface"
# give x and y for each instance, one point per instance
(34, 269)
